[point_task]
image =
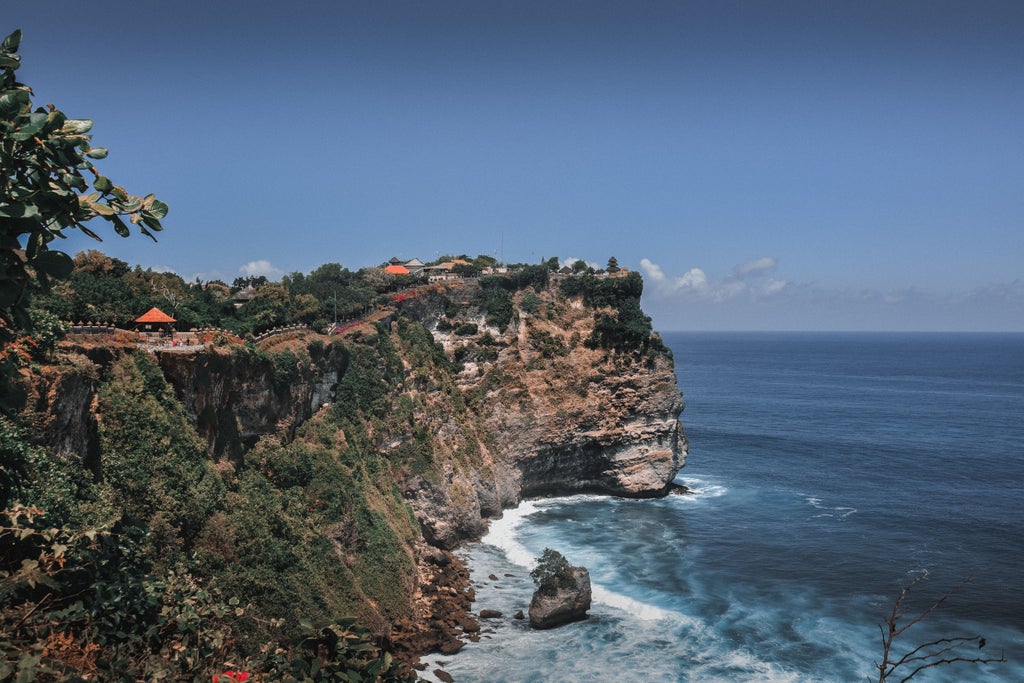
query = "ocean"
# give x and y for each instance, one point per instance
(827, 470)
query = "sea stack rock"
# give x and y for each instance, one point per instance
(563, 592)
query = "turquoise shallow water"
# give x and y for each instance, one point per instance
(828, 469)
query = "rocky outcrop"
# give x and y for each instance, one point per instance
(235, 396)
(567, 603)
(61, 409)
(232, 395)
(556, 417)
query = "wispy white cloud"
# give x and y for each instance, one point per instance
(260, 267)
(758, 266)
(569, 260)
(754, 296)
(747, 279)
(773, 286)
(652, 270)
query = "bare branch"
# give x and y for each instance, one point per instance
(938, 662)
(927, 655)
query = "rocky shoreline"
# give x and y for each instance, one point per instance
(443, 603)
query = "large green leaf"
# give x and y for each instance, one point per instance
(17, 210)
(157, 209)
(54, 263)
(103, 184)
(130, 204)
(75, 181)
(11, 42)
(101, 209)
(151, 222)
(35, 123)
(97, 153)
(119, 226)
(77, 126)
(9, 62)
(13, 100)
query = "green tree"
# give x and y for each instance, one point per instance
(552, 572)
(46, 169)
(254, 281)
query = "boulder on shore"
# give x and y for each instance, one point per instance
(566, 604)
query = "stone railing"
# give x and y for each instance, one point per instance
(279, 331)
(95, 328)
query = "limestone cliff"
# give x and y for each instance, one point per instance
(550, 416)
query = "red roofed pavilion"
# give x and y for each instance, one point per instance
(396, 270)
(154, 319)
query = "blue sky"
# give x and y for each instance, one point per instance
(766, 165)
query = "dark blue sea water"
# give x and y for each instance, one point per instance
(828, 470)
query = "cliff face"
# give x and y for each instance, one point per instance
(234, 397)
(585, 421)
(550, 416)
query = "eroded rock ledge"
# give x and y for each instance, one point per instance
(547, 424)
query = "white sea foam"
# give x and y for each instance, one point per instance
(638, 609)
(502, 534)
(699, 489)
(739, 660)
(838, 512)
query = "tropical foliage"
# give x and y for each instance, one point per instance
(552, 572)
(46, 174)
(620, 324)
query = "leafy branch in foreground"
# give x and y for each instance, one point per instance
(934, 653)
(46, 171)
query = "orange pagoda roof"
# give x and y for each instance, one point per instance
(397, 270)
(154, 315)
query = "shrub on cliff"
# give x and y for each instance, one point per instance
(598, 292)
(154, 466)
(493, 297)
(625, 329)
(78, 605)
(552, 572)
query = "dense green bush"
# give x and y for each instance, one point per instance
(624, 328)
(83, 605)
(155, 466)
(599, 292)
(552, 572)
(548, 345)
(494, 299)
(529, 302)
